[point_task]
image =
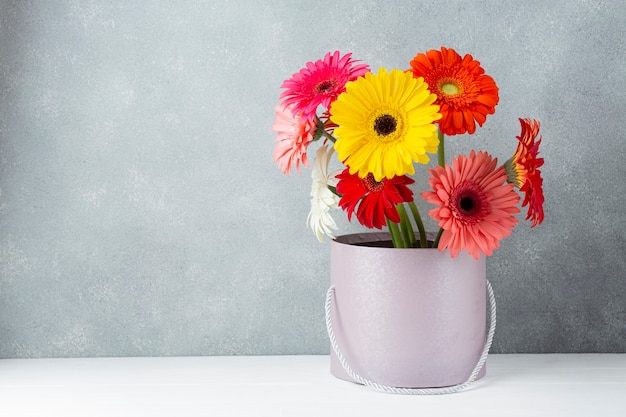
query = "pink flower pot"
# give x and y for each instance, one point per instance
(411, 318)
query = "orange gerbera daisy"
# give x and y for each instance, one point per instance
(465, 94)
(476, 205)
(523, 170)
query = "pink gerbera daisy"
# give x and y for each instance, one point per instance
(294, 136)
(476, 204)
(319, 83)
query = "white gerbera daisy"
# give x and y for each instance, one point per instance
(322, 199)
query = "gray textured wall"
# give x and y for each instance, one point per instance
(141, 212)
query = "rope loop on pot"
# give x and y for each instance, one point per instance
(330, 295)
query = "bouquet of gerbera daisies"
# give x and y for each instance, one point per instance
(380, 125)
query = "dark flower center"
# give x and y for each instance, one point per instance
(372, 185)
(469, 203)
(385, 125)
(466, 203)
(325, 86)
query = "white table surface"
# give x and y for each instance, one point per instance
(516, 385)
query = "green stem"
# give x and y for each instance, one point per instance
(329, 136)
(396, 236)
(321, 130)
(441, 153)
(436, 243)
(420, 224)
(441, 157)
(405, 226)
(334, 190)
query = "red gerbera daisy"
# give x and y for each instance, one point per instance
(320, 83)
(465, 94)
(376, 200)
(523, 170)
(476, 205)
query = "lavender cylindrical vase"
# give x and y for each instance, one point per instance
(412, 318)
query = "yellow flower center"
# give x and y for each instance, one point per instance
(450, 89)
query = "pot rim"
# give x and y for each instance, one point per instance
(364, 239)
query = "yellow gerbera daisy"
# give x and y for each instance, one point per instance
(385, 123)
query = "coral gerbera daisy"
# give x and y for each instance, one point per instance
(385, 123)
(376, 200)
(294, 136)
(476, 204)
(523, 170)
(464, 92)
(319, 83)
(322, 198)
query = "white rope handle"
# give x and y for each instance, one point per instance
(413, 391)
